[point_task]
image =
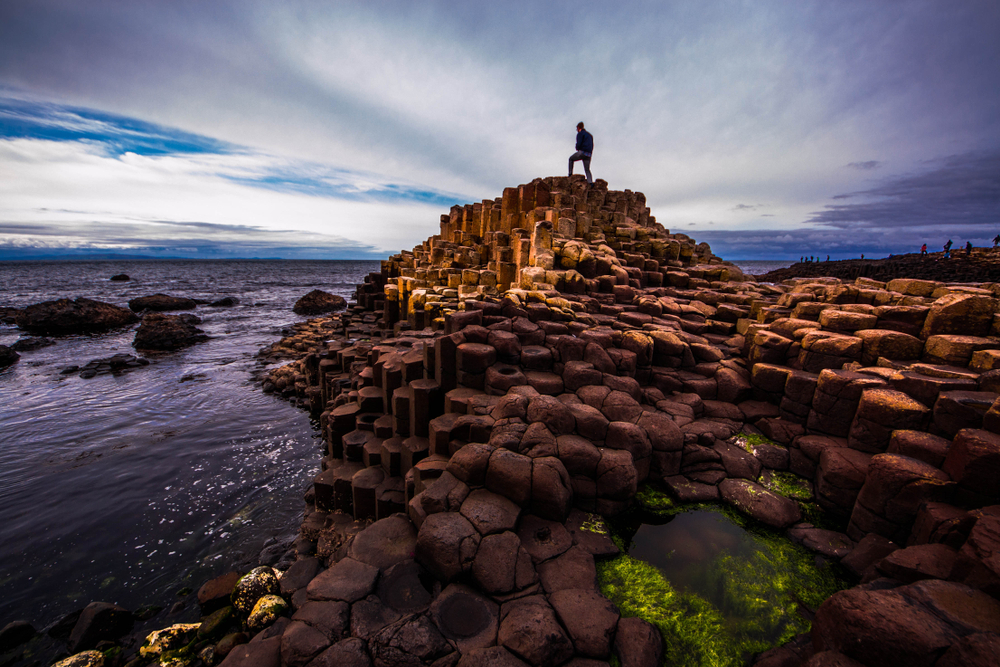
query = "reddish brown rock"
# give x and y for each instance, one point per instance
(638, 643)
(880, 412)
(529, 629)
(446, 545)
(759, 503)
(590, 619)
(64, 317)
(973, 461)
(923, 561)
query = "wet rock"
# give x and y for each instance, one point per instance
(99, 621)
(161, 303)
(64, 317)
(167, 332)
(466, 618)
(299, 575)
(759, 503)
(227, 644)
(253, 586)
(529, 629)
(171, 638)
(216, 592)
(922, 561)
(318, 302)
(216, 623)
(826, 542)
(83, 659)
(14, 634)
(638, 643)
(30, 343)
(120, 277)
(871, 549)
(266, 611)
(7, 356)
(225, 302)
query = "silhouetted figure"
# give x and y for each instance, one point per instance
(828, 258)
(584, 149)
(923, 249)
(947, 249)
(968, 248)
(996, 240)
(862, 255)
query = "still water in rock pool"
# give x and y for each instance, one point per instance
(125, 488)
(719, 588)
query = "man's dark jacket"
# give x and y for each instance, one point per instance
(585, 142)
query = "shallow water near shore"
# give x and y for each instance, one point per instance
(126, 488)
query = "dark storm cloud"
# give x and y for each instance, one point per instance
(960, 192)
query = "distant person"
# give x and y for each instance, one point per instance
(584, 149)
(828, 258)
(968, 248)
(862, 255)
(996, 240)
(947, 248)
(923, 248)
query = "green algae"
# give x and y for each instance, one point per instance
(693, 630)
(787, 484)
(756, 600)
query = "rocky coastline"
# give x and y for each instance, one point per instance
(494, 396)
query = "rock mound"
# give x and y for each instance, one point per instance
(65, 317)
(168, 332)
(7, 356)
(161, 303)
(317, 302)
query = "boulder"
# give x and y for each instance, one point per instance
(318, 302)
(759, 503)
(7, 356)
(384, 543)
(64, 317)
(966, 314)
(168, 332)
(160, 303)
(97, 622)
(215, 593)
(409, 641)
(348, 580)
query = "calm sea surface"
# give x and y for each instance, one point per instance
(127, 488)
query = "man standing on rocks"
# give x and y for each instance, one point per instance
(584, 149)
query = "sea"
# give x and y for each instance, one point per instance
(135, 488)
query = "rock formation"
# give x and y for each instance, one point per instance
(318, 302)
(496, 391)
(168, 332)
(65, 317)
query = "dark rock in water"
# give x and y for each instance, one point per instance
(8, 315)
(161, 302)
(214, 593)
(65, 317)
(318, 302)
(7, 356)
(14, 634)
(62, 628)
(167, 332)
(99, 620)
(31, 343)
(225, 302)
(120, 277)
(117, 364)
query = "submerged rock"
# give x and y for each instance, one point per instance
(8, 356)
(99, 621)
(224, 302)
(65, 317)
(31, 343)
(120, 277)
(168, 332)
(160, 303)
(317, 302)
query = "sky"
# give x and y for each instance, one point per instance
(770, 128)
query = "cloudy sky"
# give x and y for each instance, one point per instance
(771, 129)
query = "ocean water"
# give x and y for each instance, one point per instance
(126, 488)
(758, 267)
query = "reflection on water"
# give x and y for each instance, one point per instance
(125, 488)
